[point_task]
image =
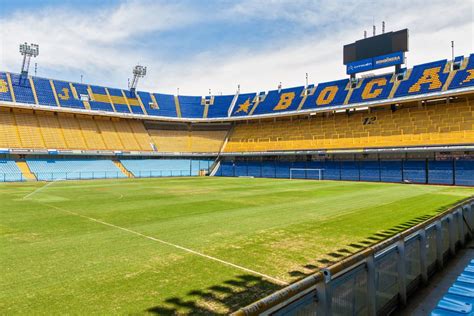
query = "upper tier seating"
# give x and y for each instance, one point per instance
(22, 89)
(441, 124)
(426, 78)
(191, 106)
(100, 101)
(374, 88)
(118, 100)
(5, 92)
(165, 167)
(62, 169)
(44, 91)
(9, 171)
(464, 77)
(221, 106)
(67, 94)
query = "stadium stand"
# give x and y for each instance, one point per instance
(63, 169)
(5, 88)
(220, 107)
(425, 78)
(459, 300)
(166, 105)
(117, 98)
(381, 127)
(459, 172)
(22, 89)
(244, 104)
(100, 101)
(67, 95)
(44, 91)
(464, 77)
(9, 171)
(191, 106)
(431, 77)
(284, 100)
(371, 89)
(284, 120)
(165, 167)
(327, 94)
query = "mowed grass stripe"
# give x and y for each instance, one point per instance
(282, 228)
(171, 245)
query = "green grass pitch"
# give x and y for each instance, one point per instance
(187, 245)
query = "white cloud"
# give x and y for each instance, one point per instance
(101, 44)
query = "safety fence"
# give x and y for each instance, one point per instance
(11, 177)
(89, 175)
(377, 280)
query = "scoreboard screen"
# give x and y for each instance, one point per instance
(383, 44)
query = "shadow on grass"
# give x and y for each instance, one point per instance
(336, 256)
(218, 299)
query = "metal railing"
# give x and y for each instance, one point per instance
(12, 177)
(89, 175)
(78, 175)
(377, 280)
(162, 173)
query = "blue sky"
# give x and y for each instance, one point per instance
(202, 45)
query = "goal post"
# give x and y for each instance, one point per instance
(307, 173)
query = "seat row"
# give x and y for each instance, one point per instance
(50, 169)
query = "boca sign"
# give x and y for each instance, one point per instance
(375, 63)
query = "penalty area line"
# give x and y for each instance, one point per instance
(265, 276)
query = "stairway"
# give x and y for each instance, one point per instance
(123, 169)
(25, 170)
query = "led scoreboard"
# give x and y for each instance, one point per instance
(384, 50)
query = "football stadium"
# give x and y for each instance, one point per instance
(334, 197)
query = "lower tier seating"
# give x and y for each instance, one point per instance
(165, 167)
(64, 169)
(459, 172)
(9, 171)
(441, 124)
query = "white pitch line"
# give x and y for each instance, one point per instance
(38, 190)
(280, 282)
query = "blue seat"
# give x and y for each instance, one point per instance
(460, 79)
(243, 104)
(221, 106)
(66, 97)
(338, 99)
(440, 172)
(165, 167)
(22, 89)
(5, 93)
(414, 171)
(459, 300)
(191, 106)
(405, 86)
(67, 169)
(44, 91)
(9, 171)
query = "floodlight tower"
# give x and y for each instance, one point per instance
(27, 51)
(138, 72)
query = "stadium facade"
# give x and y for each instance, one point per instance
(415, 125)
